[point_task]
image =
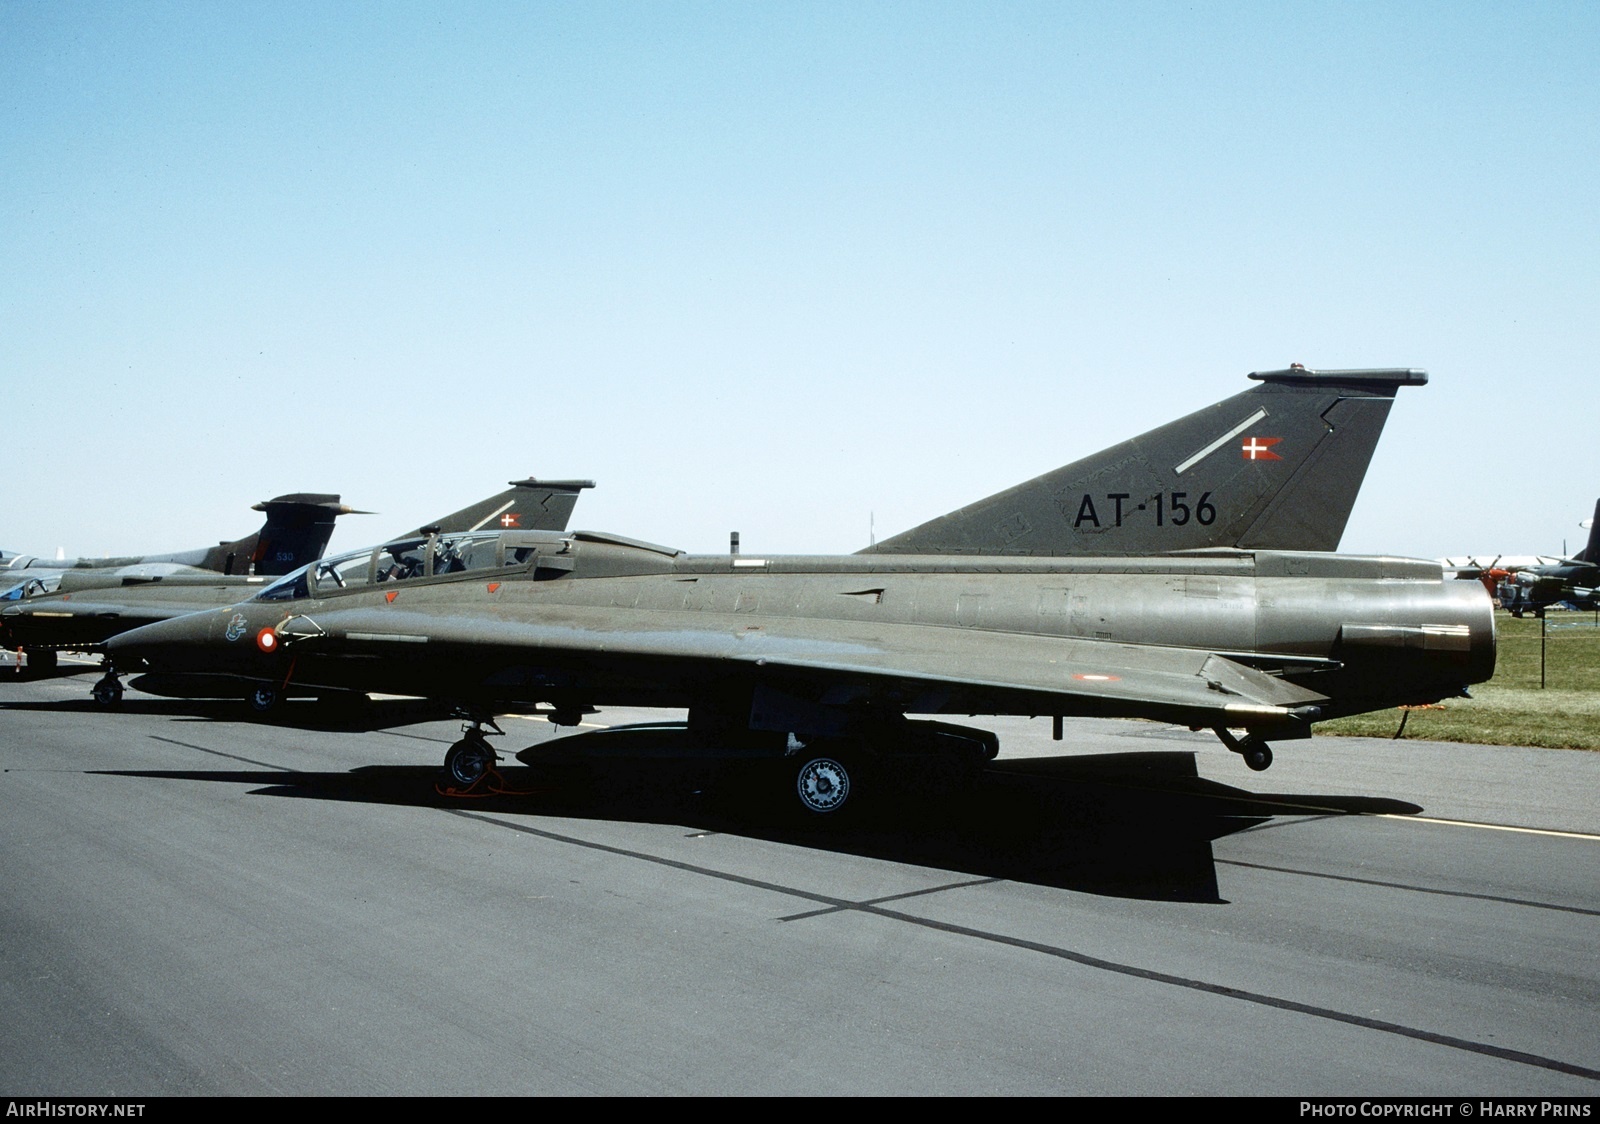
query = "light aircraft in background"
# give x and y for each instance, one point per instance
(1534, 583)
(1568, 581)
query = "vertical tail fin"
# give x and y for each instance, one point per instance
(1591, 552)
(296, 531)
(1276, 467)
(528, 505)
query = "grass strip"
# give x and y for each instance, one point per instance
(1512, 708)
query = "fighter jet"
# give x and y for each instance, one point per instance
(89, 605)
(296, 530)
(819, 662)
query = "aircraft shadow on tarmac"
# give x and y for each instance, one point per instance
(1135, 825)
(345, 716)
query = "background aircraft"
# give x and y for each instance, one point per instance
(296, 530)
(88, 605)
(1533, 583)
(1573, 581)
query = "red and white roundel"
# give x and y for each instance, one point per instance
(267, 640)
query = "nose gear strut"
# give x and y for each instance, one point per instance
(108, 690)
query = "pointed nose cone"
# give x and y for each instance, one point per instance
(197, 641)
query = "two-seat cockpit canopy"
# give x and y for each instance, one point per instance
(548, 554)
(31, 587)
(420, 556)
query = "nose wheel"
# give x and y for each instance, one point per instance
(264, 698)
(472, 759)
(108, 690)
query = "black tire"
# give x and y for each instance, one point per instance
(1257, 754)
(825, 783)
(468, 760)
(263, 699)
(108, 692)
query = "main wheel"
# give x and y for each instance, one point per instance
(108, 692)
(468, 760)
(823, 785)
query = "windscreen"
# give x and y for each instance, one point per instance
(331, 573)
(417, 557)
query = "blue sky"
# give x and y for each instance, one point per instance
(780, 268)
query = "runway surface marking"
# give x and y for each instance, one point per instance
(219, 753)
(1591, 837)
(1411, 888)
(1329, 811)
(414, 737)
(1056, 951)
(876, 907)
(893, 898)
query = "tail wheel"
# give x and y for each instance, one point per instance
(823, 785)
(1257, 754)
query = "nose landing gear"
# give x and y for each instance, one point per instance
(107, 691)
(264, 698)
(472, 759)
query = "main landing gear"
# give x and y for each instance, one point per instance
(1256, 753)
(917, 756)
(823, 784)
(472, 758)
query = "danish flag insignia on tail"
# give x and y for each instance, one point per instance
(1260, 449)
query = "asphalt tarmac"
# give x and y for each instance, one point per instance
(197, 903)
